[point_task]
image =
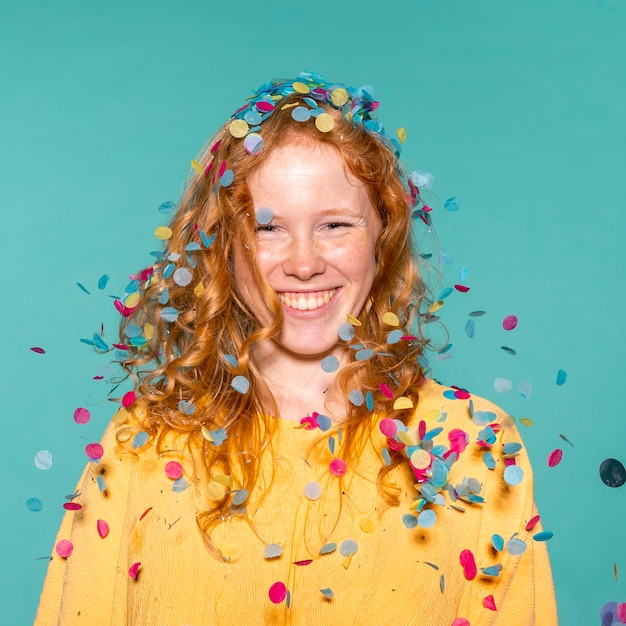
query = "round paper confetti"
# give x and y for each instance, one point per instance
(240, 384)
(339, 96)
(240, 496)
(509, 322)
(328, 548)
(513, 475)
(227, 178)
(94, 451)
(324, 122)
(272, 551)
(554, 458)
(81, 415)
(43, 460)
(72, 506)
(300, 114)
(544, 535)
(139, 439)
(502, 385)
(327, 593)
(391, 319)
(364, 355)
(427, 518)
(470, 328)
(34, 504)
(173, 470)
(38, 350)
(356, 397)
(468, 564)
(163, 232)
(128, 399)
(253, 143)
(64, 548)
(612, 473)
(348, 547)
(515, 546)
(330, 364)
(103, 281)
(278, 592)
(338, 467)
(179, 485)
(346, 331)
(182, 276)
(264, 215)
(410, 521)
(313, 490)
(460, 621)
(238, 128)
(451, 204)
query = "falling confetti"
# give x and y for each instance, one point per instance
(278, 592)
(81, 415)
(43, 460)
(509, 322)
(561, 377)
(94, 451)
(103, 528)
(173, 470)
(64, 548)
(554, 458)
(34, 504)
(134, 570)
(240, 384)
(38, 350)
(612, 473)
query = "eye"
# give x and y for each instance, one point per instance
(265, 228)
(335, 225)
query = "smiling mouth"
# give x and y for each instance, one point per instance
(306, 301)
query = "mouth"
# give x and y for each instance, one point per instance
(306, 301)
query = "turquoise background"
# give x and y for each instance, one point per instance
(518, 110)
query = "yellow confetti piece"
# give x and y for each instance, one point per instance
(416, 504)
(339, 96)
(121, 417)
(199, 289)
(300, 87)
(526, 421)
(405, 437)
(507, 422)
(367, 525)
(223, 479)
(124, 434)
(402, 403)
(401, 132)
(324, 122)
(163, 232)
(391, 319)
(216, 491)
(206, 434)
(290, 105)
(435, 306)
(238, 128)
(353, 320)
(420, 459)
(132, 300)
(196, 166)
(228, 549)
(434, 415)
(346, 563)
(148, 331)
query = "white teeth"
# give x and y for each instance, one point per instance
(306, 302)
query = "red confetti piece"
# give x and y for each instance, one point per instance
(388, 427)
(145, 513)
(278, 592)
(554, 458)
(458, 440)
(460, 621)
(462, 394)
(408, 338)
(38, 350)
(103, 528)
(215, 146)
(134, 570)
(121, 346)
(462, 288)
(222, 169)
(621, 612)
(72, 506)
(81, 415)
(121, 309)
(469, 564)
(509, 322)
(338, 467)
(128, 398)
(264, 106)
(173, 470)
(97, 378)
(386, 391)
(421, 429)
(489, 603)
(532, 522)
(64, 548)
(303, 562)
(94, 451)
(509, 460)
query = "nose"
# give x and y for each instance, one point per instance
(304, 259)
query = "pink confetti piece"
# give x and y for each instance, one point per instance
(338, 467)
(388, 427)
(532, 522)
(81, 415)
(64, 548)
(38, 350)
(303, 562)
(509, 322)
(489, 603)
(386, 391)
(621, 612)
(94, 451)
(554, 458)
(145, 513)
(460, 621)
(121, 309)
(72, 506)
(134, 570)
(462, 288)
(469, 564)
(222, 169)
(98, 378)
(264, 106)
(173, 470)
(278, 592)
(128, 399)
(103, 528)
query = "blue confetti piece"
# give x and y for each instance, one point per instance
(240, 496)
(137, 342)
(164, 298)
(264, 215)
(272, 551)
(462, 273)
(102, 486)
(132, 330)
(386, 456)
(356, 397)
(324, 422)
(330, 364)
(252, 117)
(482, 418)
(513, 475)
(169, 270)
(227, 178)
(132, 286)
(427, 518)
(191, 246)
(410, 521)
(231, 360)
(525, 389)
(364, 355)
(447, 258)
(470, 328)
(492, 570)
(207, 240)
(489, 460)
(87, 341)
(515, 546)
(166, 207)
(544, 535)
(449, 394)
(512, 447)
(301, 114)
(99, 342)
(452, 205)
(103, 281)
(219, 435)
(431, 434)
(561, 377)
(497, 542)
(445, 293)
(369, 401)
(240, 384)
(394, 336)
(328, 548)
(34, 504)
(169, 314)
(83, 288)
(331, 445)
(348, 547)
(327, 593)
(346, 331)
(186, 407)
(179, 485)
(445, 349)
(139, 439)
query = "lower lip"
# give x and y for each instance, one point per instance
(321, 310)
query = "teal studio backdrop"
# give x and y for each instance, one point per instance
(516, 108)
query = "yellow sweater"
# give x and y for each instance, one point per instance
(398, 575)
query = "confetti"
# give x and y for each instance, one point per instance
(460, 621)
(470, 328)
(324, 122)
(94, 451)
(64, 548)
(43, 460)
(402, 403)
(163, 232)
(502, 385)
(508, 350)
(338, 467)
(103, 528)
(327, 593)
(391, 319)
(277, 592)
(427, 518)
(240, 384)
(83, 288)
(468, 564)
(346, 331)
(81, 415)
(515, 546)
(477, 313)
(451, 204)
(513, 475)
(612, 473)
(264, 215)
(38, 350)
(103, 281)
(34, 504)
(497, 542)
(544, 535)
(133, 571)
(462, 288)
(173, 470)
(348, 547)
(554, 458)
(72, 506)
(313, 490)
(489, 603)
(561, 377)
(532, 522)
(356, 397)
(272, 551)
(509, 322)
(165, 208)
(367, 525)
(182, 276)
(525, 389)
(330, 363)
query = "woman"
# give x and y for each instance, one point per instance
(283, 458)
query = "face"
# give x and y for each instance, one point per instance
(318, 251)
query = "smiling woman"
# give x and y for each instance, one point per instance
(283, 457)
